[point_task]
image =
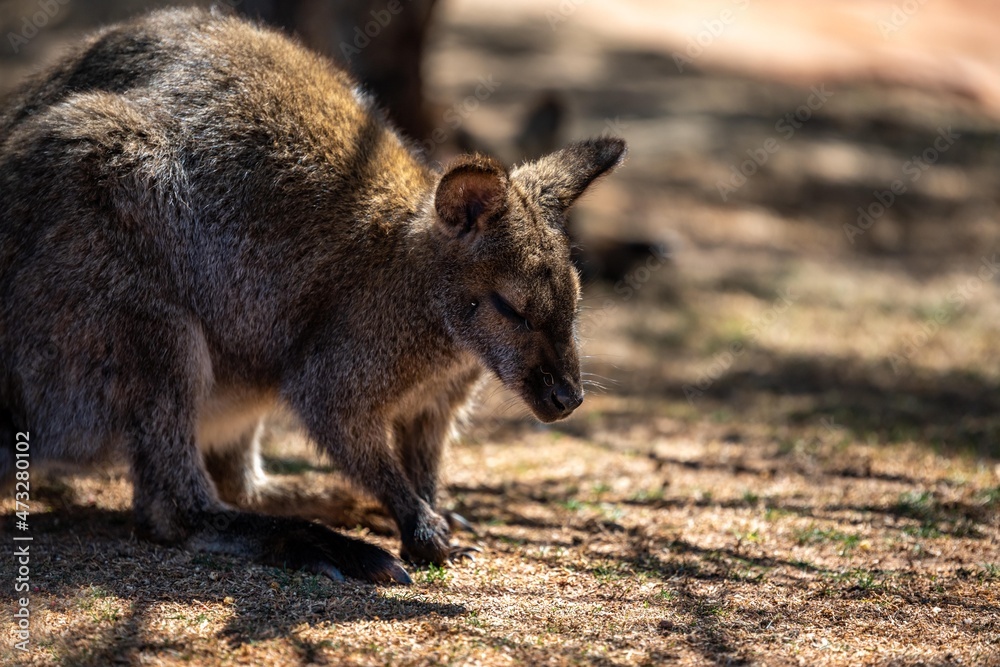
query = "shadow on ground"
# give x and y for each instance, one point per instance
(952, 412)
(114, 565)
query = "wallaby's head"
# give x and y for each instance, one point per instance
(510, 292)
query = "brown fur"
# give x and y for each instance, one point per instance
(201, 220)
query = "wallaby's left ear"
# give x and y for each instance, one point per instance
(470, 193)
(564, 175)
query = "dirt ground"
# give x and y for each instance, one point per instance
(790, 452)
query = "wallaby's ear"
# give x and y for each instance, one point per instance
(564, 175)
(470, 193)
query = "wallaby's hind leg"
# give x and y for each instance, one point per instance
(238, 474)
(174, 500)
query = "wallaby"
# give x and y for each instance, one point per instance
(201, 220)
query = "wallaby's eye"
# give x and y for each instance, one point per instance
(509, 312)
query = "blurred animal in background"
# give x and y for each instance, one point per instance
(543, 126)
(383, 45)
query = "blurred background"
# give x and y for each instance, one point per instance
(792, 309)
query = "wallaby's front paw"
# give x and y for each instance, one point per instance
(427, 540)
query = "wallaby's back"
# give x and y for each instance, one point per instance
(163, 116)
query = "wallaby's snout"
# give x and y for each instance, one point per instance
(564, 398)
(553, 388)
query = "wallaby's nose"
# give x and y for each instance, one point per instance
(565, 399)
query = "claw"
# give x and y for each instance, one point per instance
(396, 574)
(331, 572)
(457, 553)
(458, 522)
